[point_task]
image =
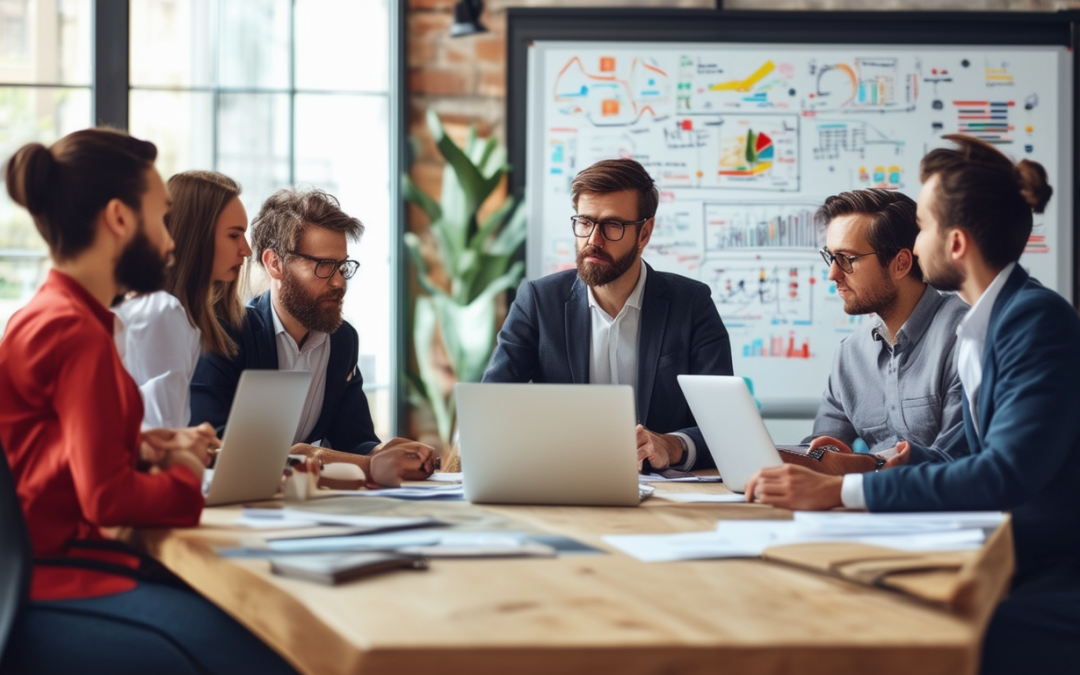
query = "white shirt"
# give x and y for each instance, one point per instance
(970, 342)
(160, 349)
(312, 357)
(613, 353)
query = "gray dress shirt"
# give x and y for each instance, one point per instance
(910, 391)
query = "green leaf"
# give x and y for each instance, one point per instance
(475, 187)
(512, 235)
(479, 240)
(417, 196)
(413, 246)
(425, 323)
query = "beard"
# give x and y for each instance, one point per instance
(940, 275)
(317, 312)
(141, 268)
(877, 299)
(594, 274)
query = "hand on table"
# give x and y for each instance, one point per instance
(405, 461)
(662, 450)
(794, 487)
(201, 442)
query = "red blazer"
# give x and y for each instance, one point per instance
(70, 419)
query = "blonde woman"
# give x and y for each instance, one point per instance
(167, 331)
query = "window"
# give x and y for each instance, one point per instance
(44, 94)
(270, 92)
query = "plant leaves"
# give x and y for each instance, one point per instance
(415, 195)
(425, 322)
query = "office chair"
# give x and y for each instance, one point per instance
(16, 558)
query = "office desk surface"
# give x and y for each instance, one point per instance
(583, 614)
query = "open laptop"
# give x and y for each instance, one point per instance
(262, 422)
(732, 426)
(548, 444)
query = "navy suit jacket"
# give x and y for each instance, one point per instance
(345, 421)
(547, 337)
(1025, 457)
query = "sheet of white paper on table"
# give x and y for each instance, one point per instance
(446, 477)
(700, 497)
(766, 533)
(434, 492)
(407, 540)
(682, 546)
(657, 478)
(289, 517)
(896, 523)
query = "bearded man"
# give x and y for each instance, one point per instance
(895, 379)
(301, 239)
(615, 320)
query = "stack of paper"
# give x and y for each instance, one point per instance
(750, 538)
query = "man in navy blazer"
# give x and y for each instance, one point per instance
(301, 238)
(1018, 355)
(616, 320)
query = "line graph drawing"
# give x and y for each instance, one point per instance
(865, 85)
(605, 99)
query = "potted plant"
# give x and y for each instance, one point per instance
(477, 260)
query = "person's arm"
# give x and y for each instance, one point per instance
(213, 388)
(97, 446)
(710, 354)
(517, 350)
(947, 447)
(161, 350)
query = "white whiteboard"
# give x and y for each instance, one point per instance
(745, 141)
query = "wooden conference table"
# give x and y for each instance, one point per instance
(594, 614)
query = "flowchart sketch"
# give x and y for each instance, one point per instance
(607, 93)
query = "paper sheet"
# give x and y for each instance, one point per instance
(657, 478)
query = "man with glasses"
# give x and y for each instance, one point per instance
(896, 378)
(301, 239)
(615, 320)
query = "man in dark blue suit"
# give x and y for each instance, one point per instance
(301, 239)
(1018, 355)
(615, 320)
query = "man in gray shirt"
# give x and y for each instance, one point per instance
(896, 379)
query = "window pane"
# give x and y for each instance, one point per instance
(330, 54)
(171, 43)
(254, 43)
(354, 167)
(253, 144)
(180, 124)
(29, 115)
(45, 42)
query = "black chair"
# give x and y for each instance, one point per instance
(16, 555)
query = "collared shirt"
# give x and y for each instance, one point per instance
(313, 357)
(971, 340)
(69, 424)
(884, 393)
(160, 349)
(613, 353)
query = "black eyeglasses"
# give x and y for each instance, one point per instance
(844, 262)
(324, 268)
(610, 229)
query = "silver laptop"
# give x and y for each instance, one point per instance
(262, 422)
(548, 444)
(732, 426)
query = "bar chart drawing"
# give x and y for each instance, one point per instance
(761, 225)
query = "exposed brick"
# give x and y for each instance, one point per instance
(431, 4)
(421, 51)
(493, 84)
(442, 82)
(491, 48)
(457, 52)
(425, 24)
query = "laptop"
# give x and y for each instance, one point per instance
(561, 444)
(731, 424)
(262, 422)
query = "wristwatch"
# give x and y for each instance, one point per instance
(879, 461)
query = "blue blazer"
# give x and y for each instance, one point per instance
(547, 337)
(1025, 457)
(345, 421)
